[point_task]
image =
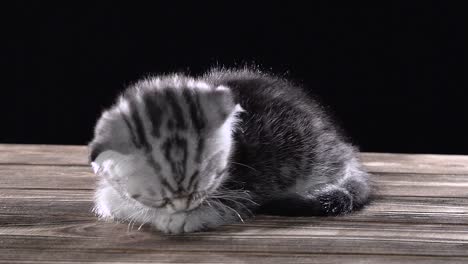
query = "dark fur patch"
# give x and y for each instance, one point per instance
(140, 130)
(136, 196)
(154, 165)
(166, 184)
(196, 114)
(177, 111)
(154, 112)
(292, 205)
(176, 153)
(335, 202)
(192, 179)
(200, 148)
(221, 173)
(133, 137)
(95, 150)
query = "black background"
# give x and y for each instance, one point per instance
(391, 74)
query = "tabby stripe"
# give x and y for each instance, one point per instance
(221, 173)
(198, 121)
(195, 110)
(178, 166)
(195, 185)
(163, 193)
(139, 125)
(154, 165)
(130, 129)
(171, 205)
(176, 109)
(165, 202)
(191, 179)
(189, 200)
(200, 147)
(167, 185)
(154, 113)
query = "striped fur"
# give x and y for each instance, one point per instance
(185, 154)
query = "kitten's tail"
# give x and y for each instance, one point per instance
(349, 193)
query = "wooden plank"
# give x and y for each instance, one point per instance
(43, 154)
(419, 214)
(111, 256)
(80, 178)
(415, 163)
(51, 207)
(61, 221)
(374, 162)
(46, 177)
(422, 185)
(412, 240)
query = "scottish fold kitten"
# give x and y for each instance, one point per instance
(186, 154)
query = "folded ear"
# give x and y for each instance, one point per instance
(110, 133)
(225, 100)
(218, 105)
(96, 148)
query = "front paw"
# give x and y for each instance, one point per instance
(199, 219)
(204, 218)
(172, 223)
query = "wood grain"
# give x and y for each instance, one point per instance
(46, 177)
(419, 214)
(415, 163)
(82, 178)
(26, 207)
(43, 154)
(374, 162)
(117, 256)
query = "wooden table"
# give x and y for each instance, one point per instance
(419, 215)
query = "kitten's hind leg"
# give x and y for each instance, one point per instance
(347, 194)
(327, 200)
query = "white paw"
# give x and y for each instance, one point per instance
(198, 219)
(201, 219)
(172, 223)
(193, 226)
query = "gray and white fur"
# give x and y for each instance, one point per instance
(186, 154)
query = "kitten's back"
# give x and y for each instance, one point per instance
(286, 144)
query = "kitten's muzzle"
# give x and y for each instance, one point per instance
(173, 204)
(180, 204)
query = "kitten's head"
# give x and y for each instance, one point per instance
(166, 142)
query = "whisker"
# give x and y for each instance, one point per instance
(214, 209)
(239, 204)
(144, 221)
(236, 197)
(227, 206)
(245, 165)
(232, 210)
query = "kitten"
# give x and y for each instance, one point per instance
(186, 154)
